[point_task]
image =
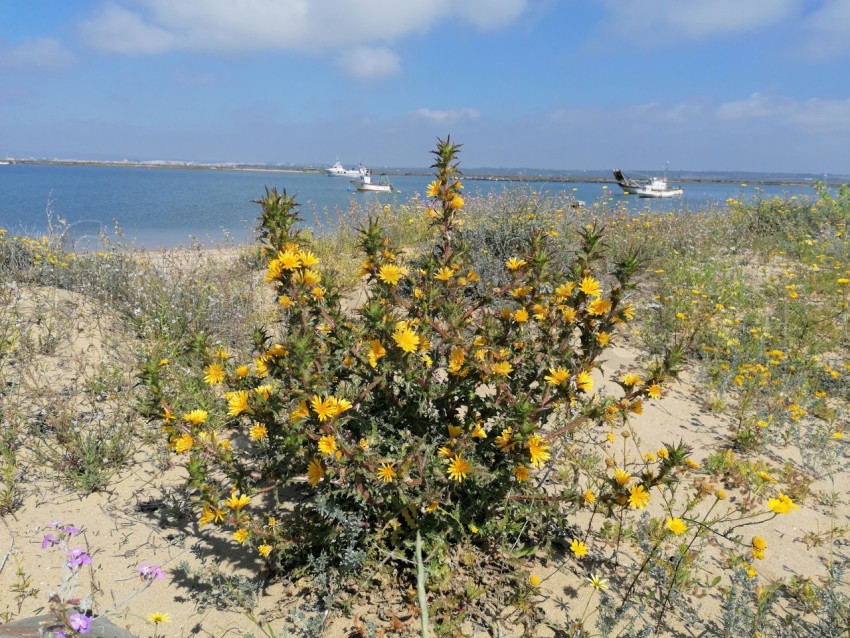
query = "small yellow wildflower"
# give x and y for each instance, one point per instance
(196, 417)
(557, 376)
(214, 373)
(315, 472)
(515, 264)
(237, 402)
(240, 536)
(459, 468)
(386, 472)
(327, 445)
(638, 497)
(676, 525)
(578, 548)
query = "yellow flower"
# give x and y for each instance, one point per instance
(184, 443)
(456, 359)
(433, 189)
(307, 258)
(515, 264)
(596, 582)
(258, 432)
(406, 339)
(590, 287)
(599, 307)
(521, 315)
(456, 202)
(315, 472)
(603, 339)
(390, 274)
(534, 579)
(327, 445)
(301, 412)
(237, 402)
(289, 260)
(638, 498)
(502, 368)
(444, 274)
(196, 417)
(214, 373)
(503, 440)
(236, 503)
(676, 525)
(478, 432)
(584, 382)
(375, 352)
(242, 371)
(264, 550)
(538, 450)
(720, 494)
(324, 408)
(386, 472)
(654, 391)
(158, 617)
(240, 536)
(521, 473)
(589, 498)
(458, 468)
(578, 548)
(565, 289)
(782, 504)
(621, 476)
(557, 376)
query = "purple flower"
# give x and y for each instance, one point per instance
(80, 623)
(78, 557)
(150, 572)
(49, 541)
(70, 530)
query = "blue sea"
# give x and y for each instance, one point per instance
(168, 207)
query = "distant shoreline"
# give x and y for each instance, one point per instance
(767, 181)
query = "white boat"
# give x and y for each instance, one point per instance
(646, 187)
(338, 170)
(4, 162)
(365, 183)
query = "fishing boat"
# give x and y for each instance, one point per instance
(646, 187)
(338, 170)
(365, 183)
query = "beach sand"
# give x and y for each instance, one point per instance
(130, 523)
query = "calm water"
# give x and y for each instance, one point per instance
(162, 207)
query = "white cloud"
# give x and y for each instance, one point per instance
(813, 114)
(119, 30)
(369, 62)
(45, 53)
(825, 30)
(312, 26)
(676, 20)
(447, 117)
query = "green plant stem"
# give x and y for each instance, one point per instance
(420, 587)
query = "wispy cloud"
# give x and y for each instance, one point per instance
(42, 53)
(814, 114)
(825, 32)
(447, 117)
(329, 27)
(677, 20)
(369, 62)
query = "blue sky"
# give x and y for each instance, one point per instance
(753, 85)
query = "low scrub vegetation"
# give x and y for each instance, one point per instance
(425, 395)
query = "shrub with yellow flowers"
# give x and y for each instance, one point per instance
(437, 406)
